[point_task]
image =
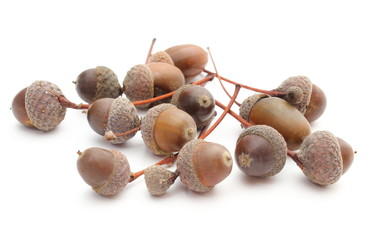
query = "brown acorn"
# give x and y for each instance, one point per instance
(165, 129)
(106, 171)
(113, 115)
(260, 151)
(146, 81)
(190, 59)
(38, 106)
(298, 91)
(202, 165)
(197, 101)
(321, 158)
(96, 83)
(260, 109)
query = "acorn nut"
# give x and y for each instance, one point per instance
(38, 106)
(96, 83)
(113, 115)
(202, 165)
(260, 151)
(165, 129)
(260, 109)
(106, 171)
(321, 158)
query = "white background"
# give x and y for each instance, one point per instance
(259, 43)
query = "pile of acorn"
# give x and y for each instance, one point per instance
(180, 115)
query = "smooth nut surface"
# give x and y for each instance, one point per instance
(212, 163)
(95, 166)
(86, 85)
(317, 104)
(255, 155)
(283, 117)
(18, 109)
(167, 78)
(347, 154)
(173, 128)
(98, 114)
(189, 58)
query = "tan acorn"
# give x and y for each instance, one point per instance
(190, 59)
(38, 106)
(202, 165)
(165, 129)
(151, 80)
(260, 109)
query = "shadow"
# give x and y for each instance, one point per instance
(256, 181)
(316, 187)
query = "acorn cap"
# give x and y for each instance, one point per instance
(158, 179)
(302, 82)
(42, 105)
(139, 84)
(321, 158)
(161, 56)
(147, 127)
(107, 84)
(123, 117)
(119, 178)
(275, 139)
(246, 106)
(186, 169)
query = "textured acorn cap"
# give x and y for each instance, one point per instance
(248, 103)
(139, 84)
(187, 173)
(161, 56)
(107, 83)
(42, 105)
(302, 82)
(147, 127)
(321, 158)
(158, 179)
(275, 139)
(119, 178)
(123, 117)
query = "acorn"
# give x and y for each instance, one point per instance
(158, 179)
(106, 171)
(260, 151)
(260, 109)
(165, 129)
(190, 59)
(38, 106)
(321, 158)
(202, 165)
(96, 83)
(317, 104)
(113, 115)
(298, 91)
(146, 81)
(197, 101)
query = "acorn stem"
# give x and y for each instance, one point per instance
(150, 50)
(226, 110)
(158, 98)
(272, 93)
(67, 103)
(111, 135)
(233, 114)
(294, 157)
(219, 77)
(167, 160)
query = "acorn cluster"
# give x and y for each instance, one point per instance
(179, 112)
